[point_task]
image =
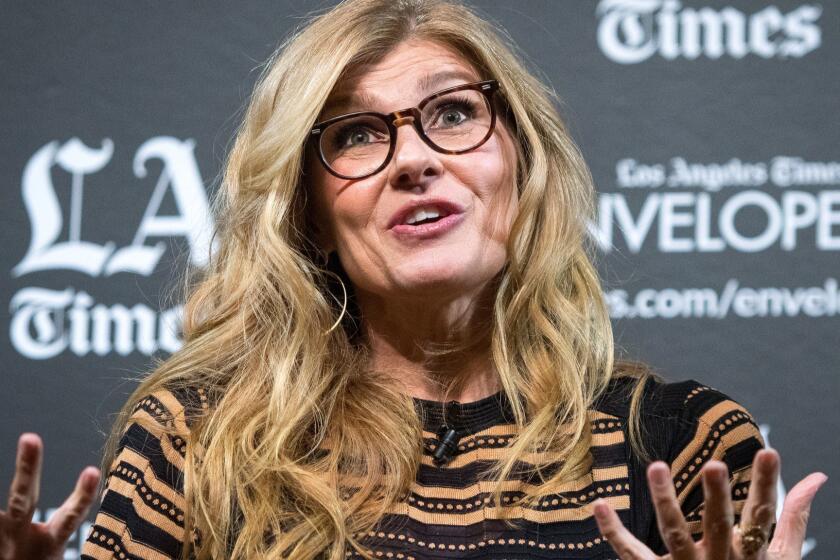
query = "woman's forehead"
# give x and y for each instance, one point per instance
(352, 95)
(422, 66)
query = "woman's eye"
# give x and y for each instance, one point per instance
(356, 136)
(452, 117)
(353, 137)
(454, 113)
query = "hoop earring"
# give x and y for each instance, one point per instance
(343, 307)
(323, 258)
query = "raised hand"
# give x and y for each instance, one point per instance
(721, 540)
(20, 538)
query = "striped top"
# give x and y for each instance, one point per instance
(449, 512)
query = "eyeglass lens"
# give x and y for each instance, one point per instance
(357, 146)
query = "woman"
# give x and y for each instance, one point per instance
(401, 348)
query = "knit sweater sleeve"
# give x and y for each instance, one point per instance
(699, 424)
(141, 513)
(707, 425)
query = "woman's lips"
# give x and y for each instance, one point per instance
(428, 230)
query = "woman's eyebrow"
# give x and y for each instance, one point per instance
(425, 85)
(430, 82)
(344, 102)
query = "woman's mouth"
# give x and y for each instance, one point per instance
(426, 218)
(427, 227)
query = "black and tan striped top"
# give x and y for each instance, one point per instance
(449, 512)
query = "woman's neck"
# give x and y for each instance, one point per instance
(427, 345)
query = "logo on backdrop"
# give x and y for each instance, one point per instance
(697, 207)
(632, 31)
(47, 322)
(783, 204)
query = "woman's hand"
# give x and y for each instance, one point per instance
(721, 541)
(20, 538)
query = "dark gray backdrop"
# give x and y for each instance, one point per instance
(711, 128)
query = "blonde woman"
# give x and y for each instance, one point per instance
(401, 349)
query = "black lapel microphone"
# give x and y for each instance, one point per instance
(448, 439)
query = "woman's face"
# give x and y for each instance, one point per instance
(355, 217)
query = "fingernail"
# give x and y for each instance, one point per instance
(91, 480)
(28, 452)
(768, 467)
(657, 476)
(713, 475)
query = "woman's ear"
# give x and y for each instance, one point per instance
(322, 232)
(322, 235)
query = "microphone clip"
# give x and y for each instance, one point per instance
(448, 439)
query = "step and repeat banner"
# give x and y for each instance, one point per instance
(712, 129)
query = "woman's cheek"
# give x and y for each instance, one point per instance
(353, 211)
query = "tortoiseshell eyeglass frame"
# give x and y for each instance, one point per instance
(410, 115)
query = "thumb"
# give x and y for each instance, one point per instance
(793, 521)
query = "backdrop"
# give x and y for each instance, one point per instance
(711, 128)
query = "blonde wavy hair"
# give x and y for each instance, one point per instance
(305, 447)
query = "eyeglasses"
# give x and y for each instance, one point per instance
(451, 121)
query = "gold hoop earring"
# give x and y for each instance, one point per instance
(343, 307)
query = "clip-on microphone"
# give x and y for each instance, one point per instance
(448, 439)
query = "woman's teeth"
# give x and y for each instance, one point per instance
(422, 214)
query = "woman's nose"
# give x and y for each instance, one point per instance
(414, 161)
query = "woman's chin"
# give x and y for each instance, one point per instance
(442, 282)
